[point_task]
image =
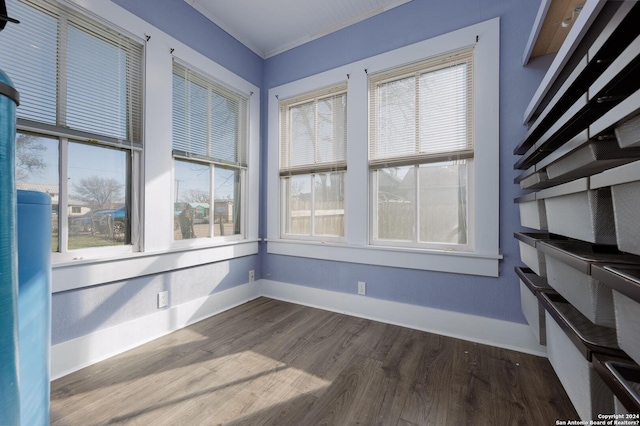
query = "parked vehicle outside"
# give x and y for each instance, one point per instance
(86, 222)
(119, 218)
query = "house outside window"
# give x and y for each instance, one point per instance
(77, 134)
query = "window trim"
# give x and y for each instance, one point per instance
(157, 254)
(485, 258)
(250, 173)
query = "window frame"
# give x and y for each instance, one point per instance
(212, 239)
(312, 236)
(66, 135)
(64, 254)
(418, 158)
(314, 168)
(157, 254)
(357, 248)
(240, 166)
(462, 248)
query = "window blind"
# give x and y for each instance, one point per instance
(313, 132)
(74, 73)
(209, 120)
(422, 112)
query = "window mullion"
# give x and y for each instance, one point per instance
(286, 216)
(136, 200)
(212, 200)
(312, 207)
(416, 210)
(315, 131)
(374, 196)
(63, 197)
(242, 201)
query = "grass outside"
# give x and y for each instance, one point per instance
(85, 240)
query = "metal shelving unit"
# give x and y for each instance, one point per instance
(580, 163)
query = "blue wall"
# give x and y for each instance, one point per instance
(83, 311)
(77, 313)
(410, 23)
(184, 23)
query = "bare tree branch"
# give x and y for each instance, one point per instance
(98, 191)
(195, 196)
(29, 159)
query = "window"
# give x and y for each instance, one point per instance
(313, 163)
(423, 159)
(421, 152)
(79, 123)
(210, 125)
(57, 146)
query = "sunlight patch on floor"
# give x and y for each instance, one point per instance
(225, 389)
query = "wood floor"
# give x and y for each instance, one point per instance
(271, 362)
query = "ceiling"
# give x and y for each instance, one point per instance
(274, 26)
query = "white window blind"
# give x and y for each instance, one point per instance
(73, 73)
(313, 132)
(209, 121)
(422, 113)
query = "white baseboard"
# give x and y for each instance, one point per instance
(72, 355)
(489, 331)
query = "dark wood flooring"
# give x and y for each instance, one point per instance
(277, 363)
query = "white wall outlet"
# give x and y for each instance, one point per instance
(163, 299)
(362, 288)
(252, 276)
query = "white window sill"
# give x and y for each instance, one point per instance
(87, 272)
(427, 260)
(312, 239)
(205, 242)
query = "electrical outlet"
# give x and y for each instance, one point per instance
(252, 276)
(163, 299)
(362, 288)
